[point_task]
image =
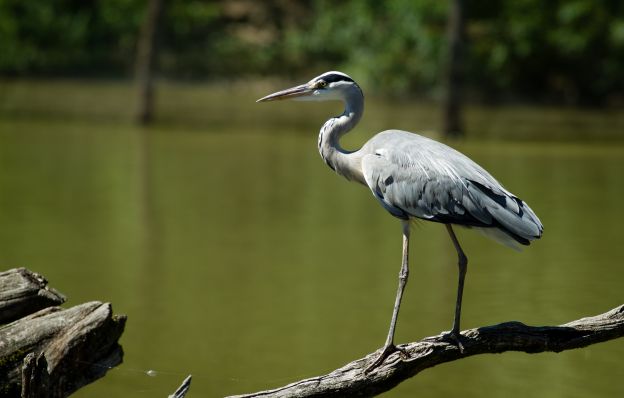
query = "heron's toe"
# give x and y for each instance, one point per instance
(454, 337)
(385, 353)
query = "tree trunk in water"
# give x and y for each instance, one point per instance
(146, 61)
(452, 122)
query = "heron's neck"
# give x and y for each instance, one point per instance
(344, 162)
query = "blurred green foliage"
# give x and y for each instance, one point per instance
(564, 49)
(561, 50)
(68, 37)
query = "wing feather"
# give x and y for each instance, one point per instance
(412, 176)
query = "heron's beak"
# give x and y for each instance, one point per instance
(298, 91)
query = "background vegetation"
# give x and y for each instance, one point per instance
(562, 51)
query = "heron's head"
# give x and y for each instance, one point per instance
(326, 87)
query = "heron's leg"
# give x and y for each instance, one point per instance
(389, 346)
(462, 263)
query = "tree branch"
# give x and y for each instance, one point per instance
(350, 380)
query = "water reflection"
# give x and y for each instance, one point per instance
(241, 259)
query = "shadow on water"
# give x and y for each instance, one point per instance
(241, 258)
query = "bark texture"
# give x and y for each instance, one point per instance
(351, 381)
(52, 352)
(23, 292)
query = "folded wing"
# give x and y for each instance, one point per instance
(412, 176)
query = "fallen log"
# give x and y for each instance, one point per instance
(23, 292)
(52, 352)
(351, 379)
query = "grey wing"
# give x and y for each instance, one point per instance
(412, 176)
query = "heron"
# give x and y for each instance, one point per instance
(416, 178)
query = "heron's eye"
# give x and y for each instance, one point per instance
(321, 84)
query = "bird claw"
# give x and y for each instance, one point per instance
(454, 337)
(385, 353)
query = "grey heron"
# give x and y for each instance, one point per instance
(414, 177)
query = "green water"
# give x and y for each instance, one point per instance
(240, 258)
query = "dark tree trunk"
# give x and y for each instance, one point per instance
(452, 122)
(146, 61)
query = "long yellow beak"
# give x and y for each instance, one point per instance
(294, 92)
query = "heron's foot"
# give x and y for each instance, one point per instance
(455, 337)
(388, 350)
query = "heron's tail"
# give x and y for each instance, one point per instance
(514, 229)
(512, 223)
(502, 237)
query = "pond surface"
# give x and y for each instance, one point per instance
(240, 258)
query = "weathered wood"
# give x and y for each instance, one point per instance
(47, 351)
(183, 389)
(85, 351)
(350, 380)
(59, 349)
(23, 292)
(35, 377)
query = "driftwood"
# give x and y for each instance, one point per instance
(50, 351)
(23, 292)
(350, 380)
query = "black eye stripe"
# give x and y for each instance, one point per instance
(334, 77)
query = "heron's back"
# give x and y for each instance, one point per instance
(414, 176)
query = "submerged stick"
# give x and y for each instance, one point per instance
(183, 389)
(350, 380)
